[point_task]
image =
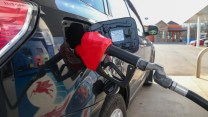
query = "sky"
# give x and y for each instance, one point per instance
(152, 11)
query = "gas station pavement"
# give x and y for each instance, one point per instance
(155, 101)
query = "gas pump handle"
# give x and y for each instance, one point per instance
(123, 81)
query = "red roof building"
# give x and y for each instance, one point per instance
(169, 32)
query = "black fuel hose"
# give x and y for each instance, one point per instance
(159, 76)
(122, 54)
(127, 57)
(197, 99)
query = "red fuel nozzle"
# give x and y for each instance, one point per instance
(92, 49)
(94, 46)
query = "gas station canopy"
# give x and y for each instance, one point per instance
(198, 18)
(203, 14)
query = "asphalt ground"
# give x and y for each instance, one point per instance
(179, 62)
(179, 59)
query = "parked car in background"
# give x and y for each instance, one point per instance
(201, 42)
(206, 42)
(65, 87)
